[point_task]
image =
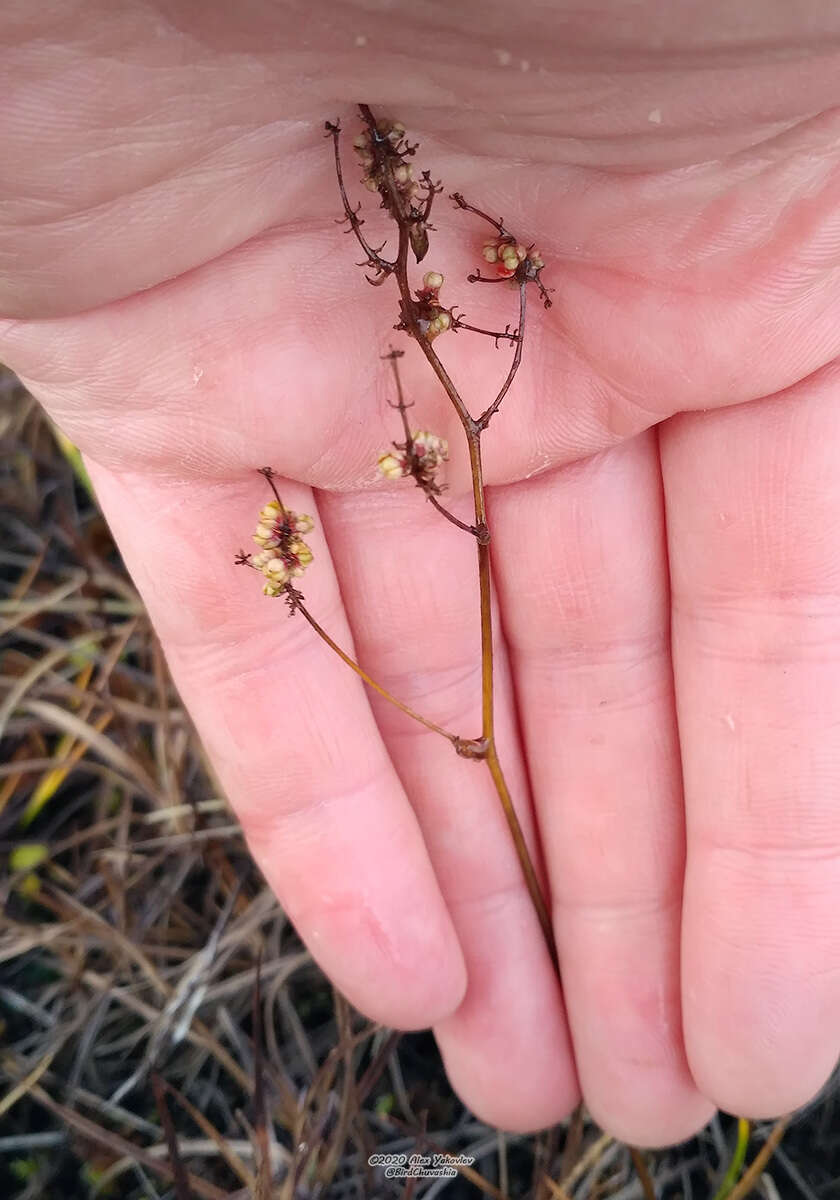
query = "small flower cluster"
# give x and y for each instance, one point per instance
(283, 555)
(392, 133)
(508, 256)
(421, 458)
(432, 318)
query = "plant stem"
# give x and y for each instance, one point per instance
(399, 208)
(473, 430)
(484, 419)
(531, 881)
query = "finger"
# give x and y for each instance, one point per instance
(580, 559)
(289, 731)
(410, 589)
(753, 503)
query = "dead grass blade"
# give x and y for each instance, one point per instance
(60, 718)
(179, 1174)
(643, 1173)
(563, 1189)
(120, 1146)
(21, 1089)
(226, 1150)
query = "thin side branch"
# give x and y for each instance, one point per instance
(453, 738)
(268, 474)
(415, 464)
(499, 225)
(477, 277)
(485, 418)
(382, 266)
(508, 334)
(480, 532)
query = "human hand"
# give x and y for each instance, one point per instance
(177, 293)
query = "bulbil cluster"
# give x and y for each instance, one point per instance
(282, 554)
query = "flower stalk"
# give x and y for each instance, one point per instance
(386, 159)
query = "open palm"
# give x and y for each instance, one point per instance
(663, 494)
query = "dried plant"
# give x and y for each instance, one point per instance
(386, 159)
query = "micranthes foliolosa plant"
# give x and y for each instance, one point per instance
(386, 159)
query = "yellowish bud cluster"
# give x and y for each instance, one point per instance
(277, 522)
(509, 256)
(283, 555)
(428, 452)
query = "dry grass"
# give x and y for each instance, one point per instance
(164, 1033)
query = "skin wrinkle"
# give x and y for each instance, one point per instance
(812, 73)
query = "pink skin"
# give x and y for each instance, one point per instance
(664, 495)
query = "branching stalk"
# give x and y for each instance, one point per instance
(487, 415)
(381, 265)
(395, 202)
(385, 156)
